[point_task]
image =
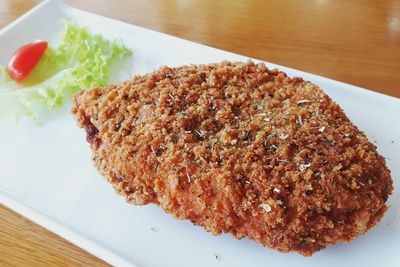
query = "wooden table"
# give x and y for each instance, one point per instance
(357, 42)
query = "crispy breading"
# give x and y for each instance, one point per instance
(240, 149)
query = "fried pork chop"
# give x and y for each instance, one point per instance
(240, 149)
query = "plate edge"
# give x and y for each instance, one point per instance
(63, 231)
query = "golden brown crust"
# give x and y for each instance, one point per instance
(238, 148)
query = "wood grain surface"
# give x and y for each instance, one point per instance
(357, 42)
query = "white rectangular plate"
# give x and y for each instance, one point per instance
(47, 174)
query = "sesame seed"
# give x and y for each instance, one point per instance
(302, 167)
(266, 207)
(283, 160)
(247, 182)
(263, 114)
(322, 129)
(276, 190)
(279, 202)
(283, 136)
(303, 101)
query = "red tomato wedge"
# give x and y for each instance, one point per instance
(25, 59)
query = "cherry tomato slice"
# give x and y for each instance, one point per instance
(25, 59)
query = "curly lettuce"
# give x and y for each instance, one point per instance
(81, 60)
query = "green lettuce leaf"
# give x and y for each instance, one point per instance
(82, 60)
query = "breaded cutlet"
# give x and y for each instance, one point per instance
(238, 148)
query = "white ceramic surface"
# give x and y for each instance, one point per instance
(47, 174)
